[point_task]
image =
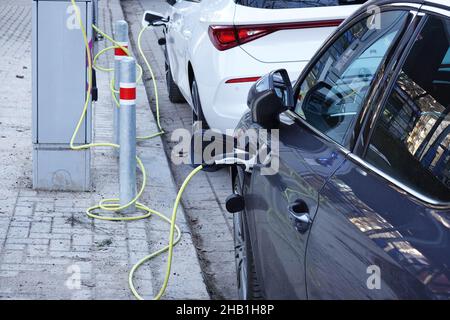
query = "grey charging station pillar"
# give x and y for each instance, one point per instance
(60, 78)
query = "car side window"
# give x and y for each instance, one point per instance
(411, 140)
(334, 91)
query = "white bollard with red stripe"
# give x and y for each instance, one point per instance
(121, 36)
(127, 136)
(119, 53)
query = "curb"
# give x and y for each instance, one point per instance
(193, 290)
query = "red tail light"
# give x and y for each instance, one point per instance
(227, 37)
(223, 37)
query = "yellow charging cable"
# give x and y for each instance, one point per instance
(116, 45)
(172, 243)
(149, 67)
(155, 87)
(113, 203)
(97, 67)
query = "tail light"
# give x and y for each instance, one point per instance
(227, 37)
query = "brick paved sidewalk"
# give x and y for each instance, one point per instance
(45, 236)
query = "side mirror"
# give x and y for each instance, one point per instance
(269, 97)
(171, 2)
(152, 18)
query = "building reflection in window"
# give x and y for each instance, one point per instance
(411, 141)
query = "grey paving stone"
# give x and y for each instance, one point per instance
(45, 235)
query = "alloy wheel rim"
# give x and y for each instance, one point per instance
(195, 97)
(240, 254)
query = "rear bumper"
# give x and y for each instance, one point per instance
(224, 103)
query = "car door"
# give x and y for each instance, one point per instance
(183, 16)
(282, 206)
(382, 230)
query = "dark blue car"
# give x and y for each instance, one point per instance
(359, 207)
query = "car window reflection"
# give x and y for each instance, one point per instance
(333, 92)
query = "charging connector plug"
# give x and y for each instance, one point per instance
(246, 164)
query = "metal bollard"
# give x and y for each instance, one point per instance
(121, 36)
(127, 134)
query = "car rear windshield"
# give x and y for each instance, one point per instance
(286, 4)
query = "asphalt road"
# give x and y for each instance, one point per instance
(210, 224)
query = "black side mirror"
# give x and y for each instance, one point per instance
(269, 97)
(171, 2)
(152, 18)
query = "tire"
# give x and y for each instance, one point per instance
(175, 95)
(197, 111)
(247, 280)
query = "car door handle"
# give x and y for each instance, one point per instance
(299, 214)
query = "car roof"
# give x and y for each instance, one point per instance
(439, 3)
(443, 4)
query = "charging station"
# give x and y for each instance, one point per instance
(60, 80)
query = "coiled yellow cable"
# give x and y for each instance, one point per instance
(97, 67)
(149, 67)
(112, 204)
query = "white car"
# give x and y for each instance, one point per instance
(216, 49)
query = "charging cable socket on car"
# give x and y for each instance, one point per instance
(235, 159)
(201, 140)
(214, 150)
(236, 202)
(153, 18)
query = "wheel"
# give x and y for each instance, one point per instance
(247, 281)
(175, 95)
(197, 114)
